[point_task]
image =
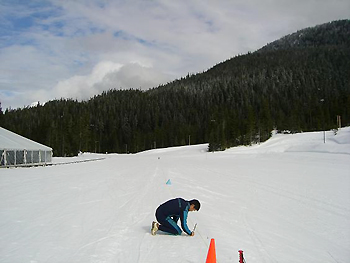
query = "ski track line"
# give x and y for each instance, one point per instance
(114, 221)
(93, 242)
(256, 240)
(146, 247)
(306, 200)
(333, 257)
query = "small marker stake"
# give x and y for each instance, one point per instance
(194, 227)
(241, 258)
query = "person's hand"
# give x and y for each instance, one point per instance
(192, 234)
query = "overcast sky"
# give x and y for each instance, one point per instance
(51, 49)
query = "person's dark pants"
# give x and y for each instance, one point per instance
(168, 224)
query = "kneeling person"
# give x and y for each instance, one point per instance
(170, 212)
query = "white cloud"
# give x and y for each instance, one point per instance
(79, 48)
(109, 75)
(134, 76)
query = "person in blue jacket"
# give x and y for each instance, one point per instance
(169, 213)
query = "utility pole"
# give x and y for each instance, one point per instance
(324, 126)
(339, 121)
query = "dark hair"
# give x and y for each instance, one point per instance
(196, 204)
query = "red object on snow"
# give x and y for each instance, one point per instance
(241, 258)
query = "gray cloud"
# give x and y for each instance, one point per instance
(108, 75)
(133, 76)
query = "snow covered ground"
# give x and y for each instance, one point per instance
(285, 200)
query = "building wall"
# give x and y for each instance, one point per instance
(24, 158)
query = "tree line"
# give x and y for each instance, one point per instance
(237, 102)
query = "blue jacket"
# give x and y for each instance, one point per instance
(176, 208)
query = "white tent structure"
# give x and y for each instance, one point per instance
(16, 150)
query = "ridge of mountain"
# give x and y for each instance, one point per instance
(327, 34)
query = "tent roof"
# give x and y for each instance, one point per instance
(13, 141)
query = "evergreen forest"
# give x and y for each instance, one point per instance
(300, 82)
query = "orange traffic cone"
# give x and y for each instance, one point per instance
(211, 258)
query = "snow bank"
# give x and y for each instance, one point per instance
(336, 142)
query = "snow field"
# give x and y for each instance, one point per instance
(285, 200)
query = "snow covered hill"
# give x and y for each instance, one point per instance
(285, 200)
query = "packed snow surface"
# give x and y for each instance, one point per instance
(285, 200)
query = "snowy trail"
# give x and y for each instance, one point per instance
(129, 223)
(287, 200)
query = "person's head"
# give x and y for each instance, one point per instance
(195, 205)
